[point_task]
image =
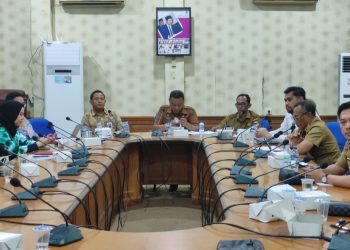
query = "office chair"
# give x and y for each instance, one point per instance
(40, 126)
(336, 131)
(264, 123)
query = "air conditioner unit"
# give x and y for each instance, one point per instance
(289, 2)
(93, 2)
(344, 78)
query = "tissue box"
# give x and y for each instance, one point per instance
(104, 133)
(298, 224)
(258, 211)
(310, 197)
(29, 169)
(63, 156)
(180, 133)
(91, 141)
(11, 241)
(277, 192)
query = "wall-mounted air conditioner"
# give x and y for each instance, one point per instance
(344, 77)
(93, 2)
(290, 2)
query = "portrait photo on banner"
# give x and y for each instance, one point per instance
(173, 36)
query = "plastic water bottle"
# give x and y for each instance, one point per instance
(125, 127)
(294, 155)
(84, 131)
(286, 156)
(201, 128)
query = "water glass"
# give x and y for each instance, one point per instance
(323, 207)
(307, 184)
(7, 172)
(42, 236)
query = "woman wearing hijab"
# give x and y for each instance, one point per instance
(11, 116)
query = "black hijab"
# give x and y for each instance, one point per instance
(9, 112)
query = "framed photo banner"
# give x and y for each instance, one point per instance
(173, 36)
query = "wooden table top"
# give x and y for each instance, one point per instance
(197, 238)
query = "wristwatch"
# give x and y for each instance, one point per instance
(324, 178)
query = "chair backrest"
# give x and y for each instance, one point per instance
(264, 123)
(40, 126)
(334, 127)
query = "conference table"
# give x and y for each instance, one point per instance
(112, 183)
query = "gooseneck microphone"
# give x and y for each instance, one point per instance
(321, 166)
(77, 153)
(239, 143)
(62, 234)
(245, 179)
(47, 182)
(15, 211)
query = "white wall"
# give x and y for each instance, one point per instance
(235, 45)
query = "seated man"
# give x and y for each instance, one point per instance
(25, 128)
(98, 115)
(243, 118)
(292, 96)
(176, 113)
(313, 137)
(334, 174)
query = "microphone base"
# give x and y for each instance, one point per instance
(63, 235)
(78, 163)
(254, 192)
(78, 153)
(340, 241)
(239, 170)
(239, 144)
(73, 171)
(245, 162)
(15, 211)
(260, 154)
(224, 137)
(122, 134)
(28, 196)
(157, 133)
(46, 183)
(244, 179)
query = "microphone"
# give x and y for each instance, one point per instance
(255, 192)
(62, 234)
(224, 136)
(24, 195)
(73, 167)
(245, 162)
(321, 166)
(76, 153)
(246, 179)
(47, 182)
(15, 211)
(69, 119)
(239, 143)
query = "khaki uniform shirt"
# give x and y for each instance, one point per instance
(325, 149)
(344, 160)
(233, 121)
(91, 119)
(165, 115)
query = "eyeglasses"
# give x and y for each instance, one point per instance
(297, 117)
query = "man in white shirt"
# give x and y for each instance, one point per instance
(292, 96)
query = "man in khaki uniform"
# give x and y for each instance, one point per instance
(313, 137)
(243, 118)
(334, 174)
(99, 115)
(176, 113)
